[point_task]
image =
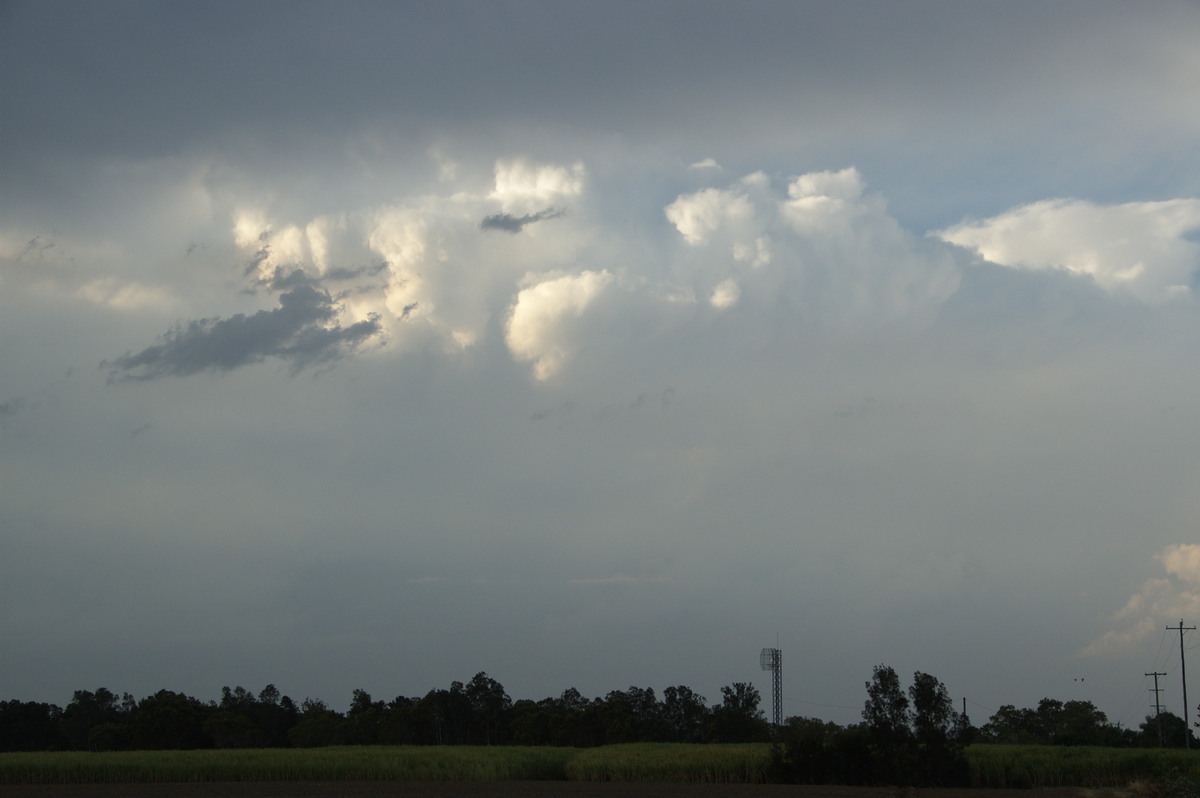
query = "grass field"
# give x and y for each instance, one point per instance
(997, 766)
(1040, 766)
(349, 763)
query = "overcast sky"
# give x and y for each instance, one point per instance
(373, 345)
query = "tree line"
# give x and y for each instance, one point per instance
(479, 712)
(914, 735)
(916, 738)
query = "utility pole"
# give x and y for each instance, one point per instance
(1187, 712)
(1158, 705)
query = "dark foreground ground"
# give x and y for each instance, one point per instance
(510, 789)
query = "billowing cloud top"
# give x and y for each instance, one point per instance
(426, 266)
(817, 246)
(823, 245)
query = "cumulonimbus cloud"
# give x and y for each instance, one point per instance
(818, 247)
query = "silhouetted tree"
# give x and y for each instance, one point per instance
(98, 721)
(364, 720)
(737, 719)
(30, 726)
(243, 720)
(1080, 723)
(169, 720)
(489, 706)
(576, 721)
(904, 740)
(684, 715)
(939, 760)
(317, 726)
(886, 714)
(1173, 731)
(886, 710)
(398, 726)
(1052, 723)
(631, 715)
(812, 751)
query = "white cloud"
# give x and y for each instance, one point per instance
(833, 251)
(758, 254)
(1154, 605)
(1182, 560)
(846, 184)
(524, 187)
(725, 295)
(1138, 247)
(250, 228)
(444, 274)
(824, 202)
(540, 326)
(696, 216)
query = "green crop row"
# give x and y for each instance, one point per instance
(348, 763)
(992, 766)
(1040, 766)
(746, 763)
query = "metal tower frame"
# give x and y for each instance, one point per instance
(771, 659)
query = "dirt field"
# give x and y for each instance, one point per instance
(509, 789)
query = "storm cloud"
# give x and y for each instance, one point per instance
(515, 224)
(849, 326)
(301, 332)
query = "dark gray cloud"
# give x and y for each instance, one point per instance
(285, 280)
(346, 273)
(515, 224)
(299, 332)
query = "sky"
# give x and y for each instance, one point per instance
(596, 345)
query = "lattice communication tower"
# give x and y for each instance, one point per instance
(771, 660)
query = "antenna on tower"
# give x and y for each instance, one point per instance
(771, 660)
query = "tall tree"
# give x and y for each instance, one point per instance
(489, 708)
(933, 715)
(938, 758)
(737, 719)
(684, 714)
(886, 709)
